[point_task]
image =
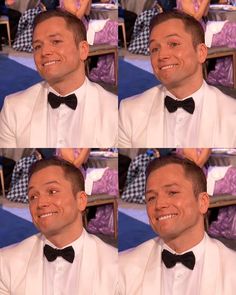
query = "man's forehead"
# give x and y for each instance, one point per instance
(171, 27)
(173, 170)
(45, 170)
(54, 23)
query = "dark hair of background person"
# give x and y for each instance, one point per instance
(73, 23)
(50, 4)
(71, 173)
(167, 4)
(192, 26)
(192, 171)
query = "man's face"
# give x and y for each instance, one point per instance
(175, 61)
(54, 208)
(174, 211)
(56, 55)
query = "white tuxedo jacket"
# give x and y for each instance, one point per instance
(141, 120)
(23, 119)
(21, 268)
(140, 269)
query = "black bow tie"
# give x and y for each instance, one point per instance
(51, 254)
(172, 105)
(55, 101)
(170, 260)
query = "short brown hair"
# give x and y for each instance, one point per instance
(73, 23)
(192, 171)
(71, 172)
(191, 24)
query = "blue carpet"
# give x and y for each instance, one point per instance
(133, 80)
(132, 232)
(14, 229)
(15, 77)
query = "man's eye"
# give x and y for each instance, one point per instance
(172, 193)
(32, 197)
(150, 199)
(154, 49)
(36, 47)
(55, 42)
(173, 44)
(52, 192)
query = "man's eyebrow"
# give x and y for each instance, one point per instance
(167, 36)
(164, 186)
(46, 183)
(50, 36)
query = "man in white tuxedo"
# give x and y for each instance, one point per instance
(63, 258)
(66, 109)
(184, 111)
(183, 259)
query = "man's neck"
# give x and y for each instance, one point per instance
(61, 241)
(183, 91)
(183, 244)
(65, 88)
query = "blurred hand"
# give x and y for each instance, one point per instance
(9, 2)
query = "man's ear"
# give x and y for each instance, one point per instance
(203, 200)
(84, 50)
(202, 52)
(81, 200)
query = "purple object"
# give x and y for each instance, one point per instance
(103, 221)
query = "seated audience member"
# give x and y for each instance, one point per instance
(23, 41)
(134, 189)
(18, 191)
(87, 265)
(217, 33)
(176, 202)
(76, 156)
(184, 111)
(13, 15)
(140, 38)
(102, 31)
(61, 110)
(129, 20)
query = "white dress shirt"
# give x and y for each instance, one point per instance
(63, 122)
(179, 279)
(181, 127)
(61, 277)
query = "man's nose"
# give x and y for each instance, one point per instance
(43, 201)
(46, 49)
(161, 202)
(164, 53)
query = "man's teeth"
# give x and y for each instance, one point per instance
(167, 67)
(46, 215)
(166, 216)
(49, 63)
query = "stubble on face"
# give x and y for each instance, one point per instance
(59, 59)
(174, 59)
(173, 208)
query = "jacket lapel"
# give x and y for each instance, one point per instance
(90, 114)
(88, 272)
(211, 281)
(38, 128)
(152, 274)
(208, 120)
(155, 126)
(34, 276)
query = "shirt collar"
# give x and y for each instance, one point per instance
(198, 250)
(78, 92)
(77, 244)
(197, 95)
